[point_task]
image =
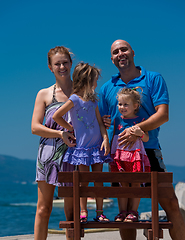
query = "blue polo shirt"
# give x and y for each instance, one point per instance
(154, 93)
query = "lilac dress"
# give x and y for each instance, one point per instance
(87, 133)
(51, 150)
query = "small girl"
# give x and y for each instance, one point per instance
(88, 129)
(127, 159)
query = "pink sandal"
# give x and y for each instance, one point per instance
(83, 218)
(121, 216)
(132, 217)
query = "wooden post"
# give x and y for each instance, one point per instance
(76, 205)
(155, 214)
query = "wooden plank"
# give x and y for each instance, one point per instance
(148, 233)
(115, 192)
(165, 177)
(66, 224)
(114, 177)
(64, 177)
(65, 191)
(124, 176)
(125, 225)
(72, 235)
(155, 214)
(163, 192)
(112, 224)
(76, 205)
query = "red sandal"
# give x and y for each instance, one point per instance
(132, 216)
(121, 216)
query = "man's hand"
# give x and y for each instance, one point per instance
(106, 121)
(126, 138)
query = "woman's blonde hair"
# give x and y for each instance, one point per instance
(83, 78)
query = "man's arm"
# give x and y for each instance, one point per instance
(157, 119)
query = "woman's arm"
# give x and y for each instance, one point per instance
(58, 115)
(105, 143)
(37, 126)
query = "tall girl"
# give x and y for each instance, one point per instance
(53, 137)
(88, 128)
(127, 159)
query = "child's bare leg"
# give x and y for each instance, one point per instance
(135, 201)
(132, 209)
(83, 201)
(122, 203)
(99, 201)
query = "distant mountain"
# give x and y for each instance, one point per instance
(17, 170)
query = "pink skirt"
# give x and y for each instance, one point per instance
(130, 161)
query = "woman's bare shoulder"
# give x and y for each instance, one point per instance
(46, 94)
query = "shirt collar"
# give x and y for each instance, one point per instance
(116, 78)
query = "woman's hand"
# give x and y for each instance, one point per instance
(68, 138)
(106, 121)
(126, 138)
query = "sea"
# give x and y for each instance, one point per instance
(18, 202)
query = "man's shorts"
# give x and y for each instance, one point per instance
(156, 160)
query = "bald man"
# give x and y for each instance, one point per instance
(154, 110)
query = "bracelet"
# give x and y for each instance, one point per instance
(142, 135)
(70, 131)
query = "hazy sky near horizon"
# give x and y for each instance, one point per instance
(29, 29)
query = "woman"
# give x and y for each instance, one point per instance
(53, 138)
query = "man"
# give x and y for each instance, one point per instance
(154, 110)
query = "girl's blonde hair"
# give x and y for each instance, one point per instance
(83, 78)
(59, 49)
(133, 94)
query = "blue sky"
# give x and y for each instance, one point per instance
(29, 29)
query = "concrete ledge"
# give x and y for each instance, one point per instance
(53, 231)
(100, 234)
